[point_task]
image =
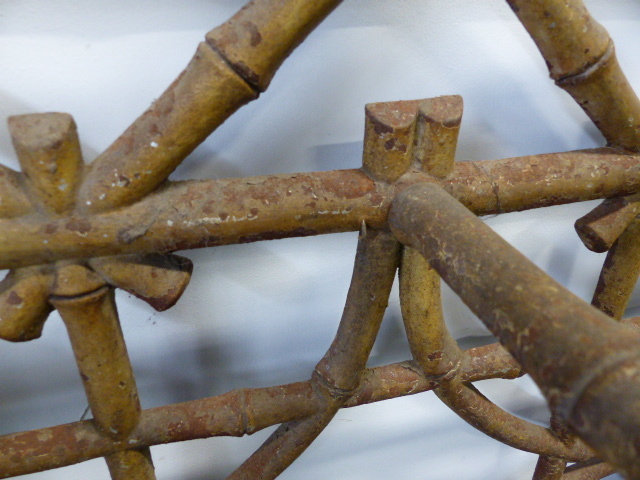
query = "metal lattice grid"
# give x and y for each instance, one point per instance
(408, 147)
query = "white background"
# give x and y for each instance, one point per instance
(263, 314)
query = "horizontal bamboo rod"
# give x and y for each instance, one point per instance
(236, 413)
(586, 364)
(198, 214)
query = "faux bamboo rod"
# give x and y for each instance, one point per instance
(549, 468)
(581, 59)
(236, 413)
(600, 228)
(339, 372)
(230, 69)
(542, 324)
(588, 472)
(198, 214)
(619, 273)
(66, 226)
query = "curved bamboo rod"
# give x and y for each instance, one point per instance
(588, 472)
(474, 408)
(340, 370)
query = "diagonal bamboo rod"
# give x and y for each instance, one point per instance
(199, 214)
(600, 228)
(438, 354)
(257, 39)
(543, 325)
(236, 413)
(226, 72)
(581, 59)
(619, 273)
(24, 304)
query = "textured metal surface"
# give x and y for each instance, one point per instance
(71, 233)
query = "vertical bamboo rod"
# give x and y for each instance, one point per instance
(431, 344)
(48, 148)
(88, 310)
(434, 140)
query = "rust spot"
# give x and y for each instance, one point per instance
(435, 356)
(349, 187)
(254, 35)
(79, 225)
(14, 298)
(223, 216)
(389, 144)
(50, 228)
(266, 193)
(376, 199)
(380, 128)
(127, 144)
(254, 212)
(208, 207)
(154, 130)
